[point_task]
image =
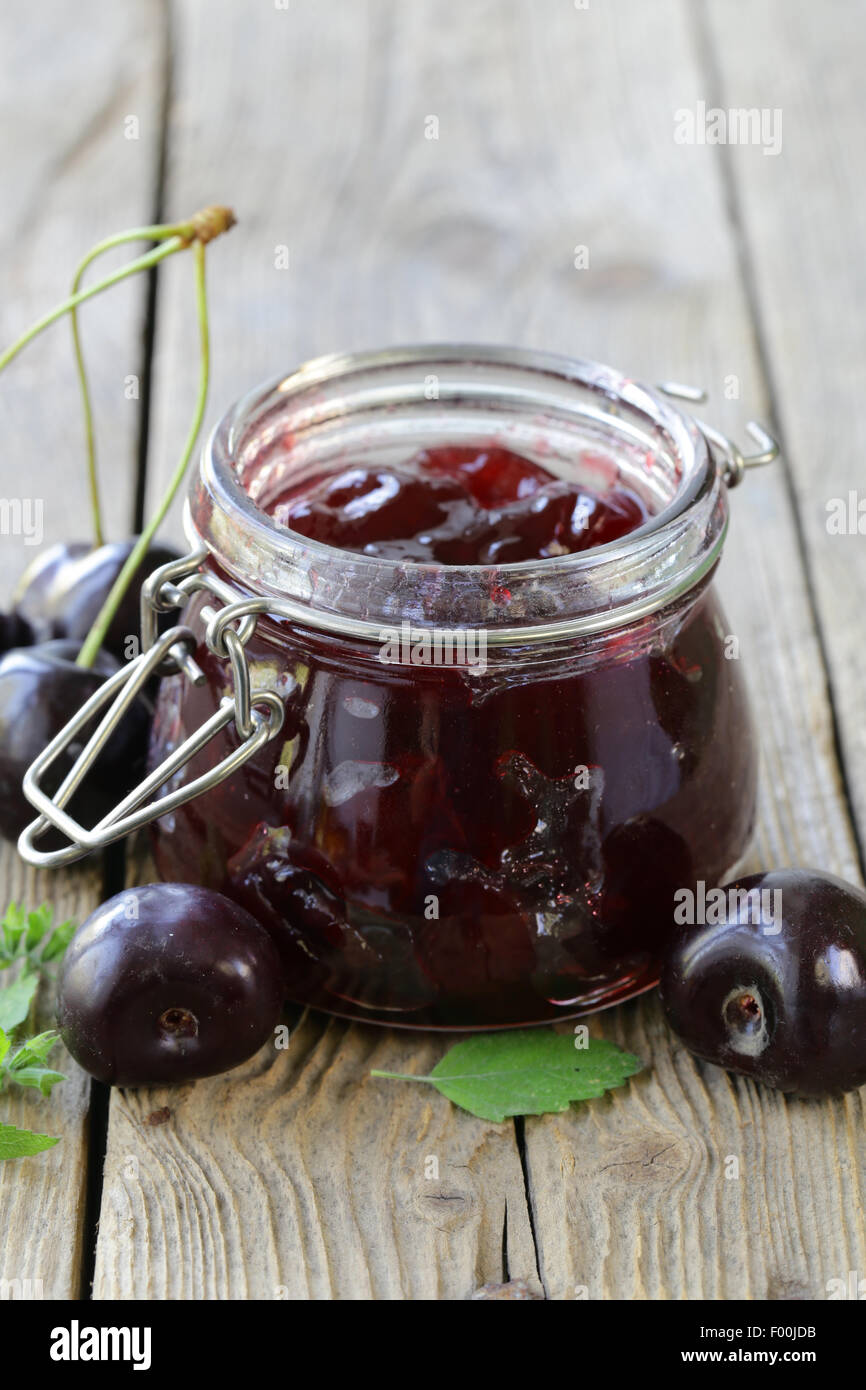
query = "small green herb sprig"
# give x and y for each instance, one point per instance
(29, 941)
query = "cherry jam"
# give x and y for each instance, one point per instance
(457, 506)
(437, 846)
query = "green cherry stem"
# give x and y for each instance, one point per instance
(155, 233)
(87, 409)
(95, 637)
(151, 258)
(210, 222)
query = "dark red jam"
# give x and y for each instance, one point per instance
(457, 506)
(438, 847)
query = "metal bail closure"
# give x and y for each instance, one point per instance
(262, 716)
(733, 461)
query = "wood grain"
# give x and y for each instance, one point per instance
(69, 177)
(555, 131)
(298, 1176)
(641, 1178)
(803, 222)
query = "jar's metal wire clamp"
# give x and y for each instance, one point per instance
(732, 460)
(257, 717)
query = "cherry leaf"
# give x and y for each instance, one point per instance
(15, 1000)
(20, 1143)
(526, 1072)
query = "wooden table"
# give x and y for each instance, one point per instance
(717, 264)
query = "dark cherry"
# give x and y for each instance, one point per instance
(777, 990)
(61, 593)
(14, 632)
(293, 891)
(33, 599)
(40, 690)
(493, 476)
(376, 509)
(167, 983)
(378, 964)
(457, 505)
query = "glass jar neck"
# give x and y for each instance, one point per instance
(579, 419)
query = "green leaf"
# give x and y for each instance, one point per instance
(20, 1143)
(42, 1078)
(15, 1000)
(26, 1066)
(34, 1050)
(13, 926)
(16, 918)
(26, 938)
(528, 1072)
(22, 933)
(38, 923)
(58, 941)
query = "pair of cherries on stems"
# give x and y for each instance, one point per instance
(169, 982)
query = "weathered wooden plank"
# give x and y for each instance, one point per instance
(69, 176)
(804, 219)
(555, 131)
(651, 1208)
(297, 1176)
(695, 1184)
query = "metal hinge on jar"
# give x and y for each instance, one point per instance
(257, 718)
(733, 462)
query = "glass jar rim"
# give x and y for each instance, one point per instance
(593, 590)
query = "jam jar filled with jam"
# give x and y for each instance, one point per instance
(479, 584)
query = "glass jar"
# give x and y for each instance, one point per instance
(490, 838)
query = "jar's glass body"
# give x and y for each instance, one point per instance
(487, 844)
